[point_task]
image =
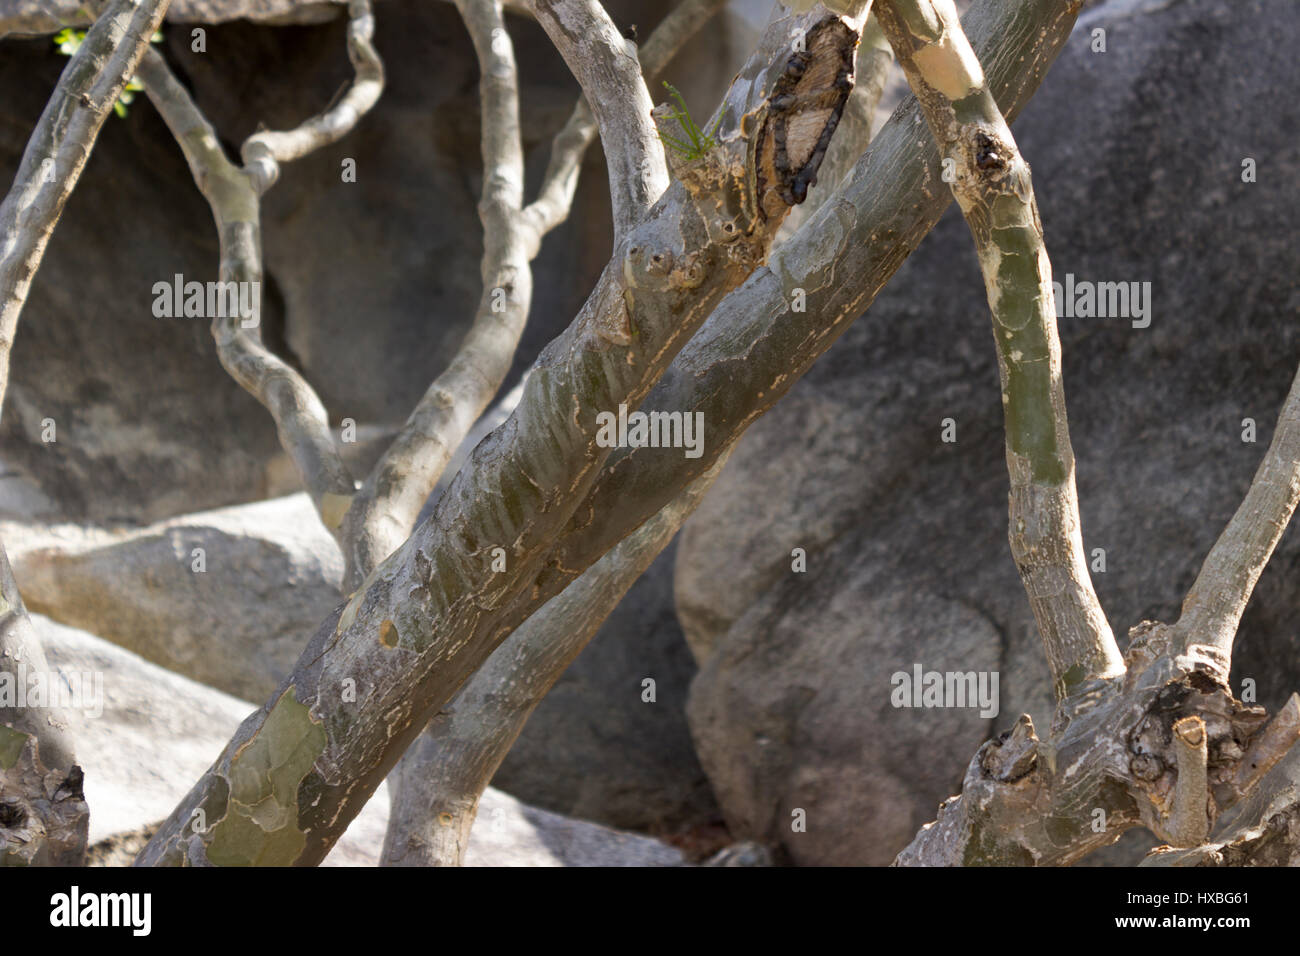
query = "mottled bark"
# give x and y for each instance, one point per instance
(992, 184)
(300, 769)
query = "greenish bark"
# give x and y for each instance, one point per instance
(991, 182)
(1155, 738)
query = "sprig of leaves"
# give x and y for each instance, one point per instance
(69, 41)
(697, 142)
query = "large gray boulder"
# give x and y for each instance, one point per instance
(1137, 155)
(270, 573)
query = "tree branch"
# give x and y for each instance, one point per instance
(436, 787)
(264, 151)
(1213, 607)
(46, 817)
(991, 182)
(551, 206)
(1154, 739)
(390, 499)
(298, 770)
(233, 192)
(606, 67)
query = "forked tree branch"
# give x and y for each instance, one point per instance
(384, 511)
(267, 149)
(436, 786)
(234, 193)
(300, 769)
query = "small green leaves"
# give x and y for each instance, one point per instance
(69, 41)
(697, 142)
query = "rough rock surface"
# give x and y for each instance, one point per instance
(155, 733)
(1137, 156)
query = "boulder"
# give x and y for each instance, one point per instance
(151, 733)
(270, 574)
(905, 534)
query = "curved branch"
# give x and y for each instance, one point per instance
(1213, 607)
(991, 182)
(266, 150)
(554, 199)
(609, 73)
(300, 417)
